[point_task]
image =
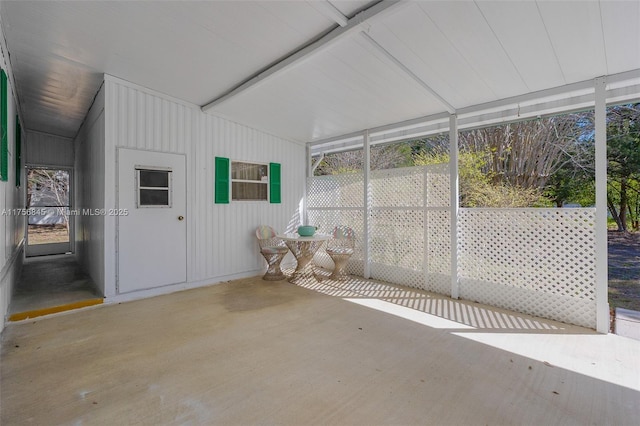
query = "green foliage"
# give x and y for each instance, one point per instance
(623, 155)
(480, 189)
(571, 185)
(423, 158)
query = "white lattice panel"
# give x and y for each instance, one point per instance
(397, 275)
(337, 191)
(437, 186)
(402, 187)
(438, 248)
(397, 244)
(536, 261)
(398, 218)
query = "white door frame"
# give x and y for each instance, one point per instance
(51, 248)
(128, 160)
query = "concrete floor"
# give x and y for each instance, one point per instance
(254, 352)
(49, 281)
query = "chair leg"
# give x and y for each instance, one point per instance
(274, 272)
(340, 260)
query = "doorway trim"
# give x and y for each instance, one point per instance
(125, 166)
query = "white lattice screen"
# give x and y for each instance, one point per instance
(409, 228)
(408, 222)
(397, 246)
(438, 265)
(338, 200)
(535, 261)
(438, 230)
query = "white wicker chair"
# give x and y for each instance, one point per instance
(274, 250)
(340, 248)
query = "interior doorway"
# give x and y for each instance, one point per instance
(48, 209)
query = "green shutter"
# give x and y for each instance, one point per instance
(274, 183)
(18, 151)
(222, 181)
(4, 151)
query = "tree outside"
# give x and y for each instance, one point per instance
(48, 206)
(537, 163)
(544, 162)
(623, 152)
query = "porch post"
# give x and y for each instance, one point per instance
(602, 302)
(453, 184)
(367, 202)
(304, 218)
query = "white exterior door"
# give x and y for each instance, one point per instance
(151, 217)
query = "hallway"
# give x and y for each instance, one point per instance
(50, 284)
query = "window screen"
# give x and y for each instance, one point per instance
(249, 181)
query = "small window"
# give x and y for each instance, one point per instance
(154, 187)
(249, 181)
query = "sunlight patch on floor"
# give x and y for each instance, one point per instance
(609, 358)
(588, 354)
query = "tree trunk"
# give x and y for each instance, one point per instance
(624, 202)
(633, 217)
(614, 214)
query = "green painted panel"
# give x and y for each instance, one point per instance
(4, 149)
(274, 183)
(222, 181)
(18, 151)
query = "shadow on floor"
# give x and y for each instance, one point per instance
(51, 284)
(462, 312)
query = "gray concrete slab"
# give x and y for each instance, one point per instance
(359, 352)
(48, 281)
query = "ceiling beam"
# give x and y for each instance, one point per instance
(330, 11)
(410, 73)
(353, 26)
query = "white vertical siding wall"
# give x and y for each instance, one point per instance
(11, 198)
(48, 150)
(225, 239)
(220, 238)
(89, 181)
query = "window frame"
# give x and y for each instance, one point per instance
(168, 188)
(263, 181)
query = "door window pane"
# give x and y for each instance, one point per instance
(154, 178)
(154, 188)
(154, 197)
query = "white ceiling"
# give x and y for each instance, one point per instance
(412, 59)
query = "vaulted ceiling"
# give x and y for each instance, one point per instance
(311, 70)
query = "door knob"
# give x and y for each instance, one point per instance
(180, 217)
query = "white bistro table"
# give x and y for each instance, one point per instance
(304, 248)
